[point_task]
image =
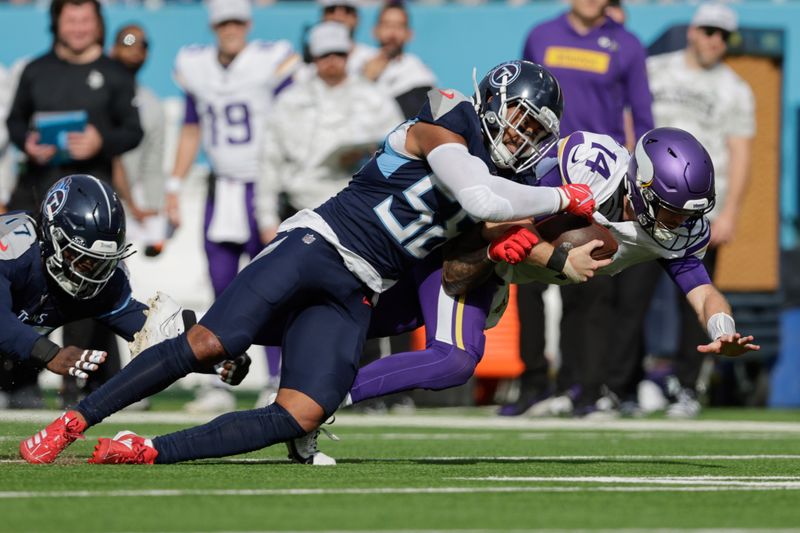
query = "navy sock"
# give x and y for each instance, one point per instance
(229, 434)
(152, 371)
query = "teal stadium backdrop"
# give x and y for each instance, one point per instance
(451, 38)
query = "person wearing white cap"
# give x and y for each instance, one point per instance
(229, 90)
(695, 90)
(322, 127)
(346, 12)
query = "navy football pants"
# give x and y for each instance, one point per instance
(298, 287)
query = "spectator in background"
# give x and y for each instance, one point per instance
(139, 174)
(322, 128)
(695, 90)
(601, 68)
(74, 75)
(346, 12)
(6, 173)
(229, 89)
(400, 74)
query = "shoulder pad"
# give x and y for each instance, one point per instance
(443, 101)
(17, 235)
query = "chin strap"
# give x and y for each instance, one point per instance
(477, 102)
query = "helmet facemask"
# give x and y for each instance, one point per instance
(648, 205)
(80, 271)
(535, 130)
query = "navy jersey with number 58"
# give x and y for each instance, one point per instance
(392, 212)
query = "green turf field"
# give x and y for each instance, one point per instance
(438, 470)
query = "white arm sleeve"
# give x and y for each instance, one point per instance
(484, 196)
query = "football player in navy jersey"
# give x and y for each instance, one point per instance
(315, 284)
(67, 266)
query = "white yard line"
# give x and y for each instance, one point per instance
(778, 482)
(162, 493)
(532, 458)
(456, 422)
(522, 458)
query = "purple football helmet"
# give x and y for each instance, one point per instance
(671, 170)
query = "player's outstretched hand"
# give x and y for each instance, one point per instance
(730, 345)
(580, 266)
(233, 371)
(576, 198)
(74, 361)
(513, 246)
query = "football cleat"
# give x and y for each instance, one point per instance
(166, 319)
(46, 445)
(685, 405)
(125, 448)
(304, 449)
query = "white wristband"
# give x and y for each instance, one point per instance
(720, 324)
(173, 185)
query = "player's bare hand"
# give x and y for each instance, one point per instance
(172, 208)
(233, 371)
(140, 214)
(267, 234)
(84, 144)
(74, 361)
(580, 266)
(40, 153)
(730, 345)
(723, 229)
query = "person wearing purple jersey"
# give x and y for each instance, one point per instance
(314, 286)
(229, 90)
(601, 68)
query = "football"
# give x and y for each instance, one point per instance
(569, 231)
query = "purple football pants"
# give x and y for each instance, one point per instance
(454, 339)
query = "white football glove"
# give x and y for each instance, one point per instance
(165, 320)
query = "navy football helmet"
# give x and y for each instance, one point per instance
(83, 234)
(670, 170)
(519, 103)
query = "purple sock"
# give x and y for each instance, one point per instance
(439, 367)
(273, 361)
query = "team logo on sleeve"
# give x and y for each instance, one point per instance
(507, 72)
(56, 198)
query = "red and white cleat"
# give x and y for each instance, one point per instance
(47, 444)
(125, 448)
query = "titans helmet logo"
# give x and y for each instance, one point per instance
(507, 72)
(56, 199)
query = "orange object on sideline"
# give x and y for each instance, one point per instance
(501, 359)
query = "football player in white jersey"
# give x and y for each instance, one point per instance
(229, 89)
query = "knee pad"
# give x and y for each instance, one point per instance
(455, 366)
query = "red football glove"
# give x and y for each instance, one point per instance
(513, 246)
(578, 199)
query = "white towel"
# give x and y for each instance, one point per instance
(229, 220)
